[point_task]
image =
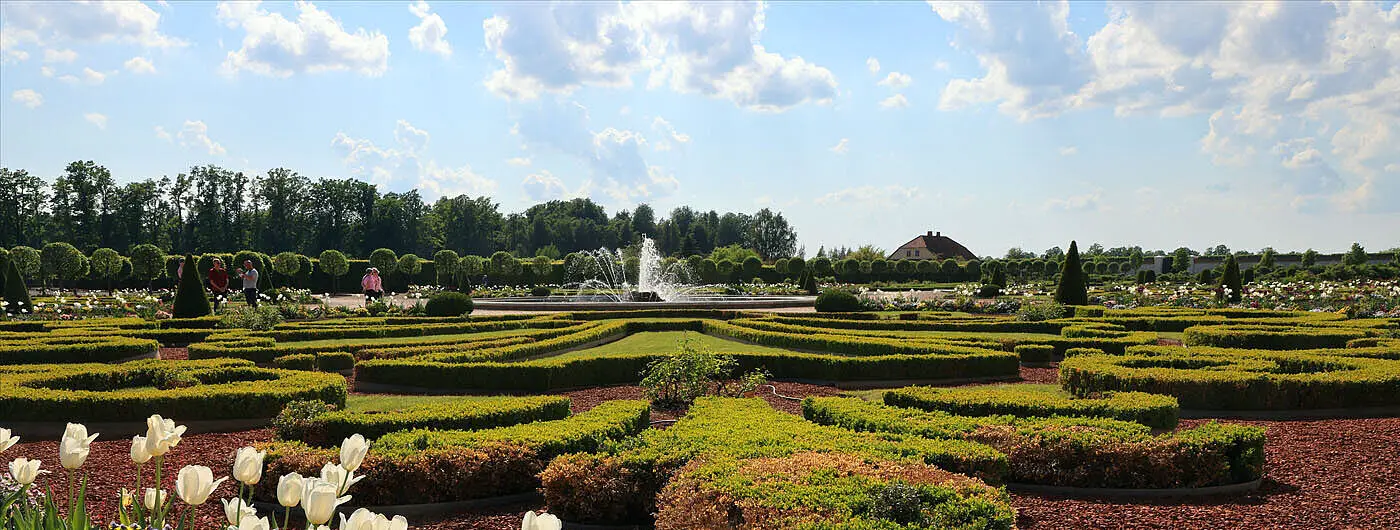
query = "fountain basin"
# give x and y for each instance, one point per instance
(594, 303)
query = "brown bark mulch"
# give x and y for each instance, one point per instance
(175, 354)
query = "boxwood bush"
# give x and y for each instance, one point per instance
(1274, 337)
(838, 301)
(326, 428)
(1152, 410)
(448, 304)
(1035, 353)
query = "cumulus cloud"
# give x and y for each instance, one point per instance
(873, 196)
(27, 97)
(46, 23)
(616, 158)
(315, 42)
(60, 56)
(896, 81)
(544, 186)
(93, 77)
(401, 168)
(897, 101)
(1088, 202)
(708, 48)
(873, 65)
(163, 134)
(195, 134)
(97, 119)
(668, 133)
(841, 147)
(519, 161)
(139, 65)
(430, 34)
(1069, 150)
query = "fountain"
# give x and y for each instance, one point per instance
(613, 279)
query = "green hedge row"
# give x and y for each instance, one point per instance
(847, 344)
(586, 432)
(1004, 325)
(1273, 338)
(262, 349)
(1152, 410)
(1238, 379)
(621, 483)
(28, 348)
(1076, 452)
(977, 341)
(467, 413)
(1035, 353)
(972, 339)
(409, 330)
(188, 390)
(324, 362)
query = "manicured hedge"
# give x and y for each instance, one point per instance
(970, 324)
(25, 348)
(187, 390)
(409, 330)
(325, 362)
(462, 465)
(621, 483)
(1272, 337)
(829, 490)
(467, 413)
(1077, 452)
(848, 344)
(262, 349)
(1239, 379)
(1152, 410)
(1035, 353)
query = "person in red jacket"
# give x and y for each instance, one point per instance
(218, 282)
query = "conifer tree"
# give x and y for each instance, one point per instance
(1072, 290)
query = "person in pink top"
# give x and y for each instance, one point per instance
(372, 284)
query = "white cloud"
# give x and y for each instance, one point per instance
(139, 65)
(431, 32)
(163, 134)
(616, 158)
(316, 42)
(841, 147)
(46, 71)
(1069, 150)
(46, 23)
(68, 78)
(96, 119)
(544, 186)
(401, 168)
(873, 196)
(669, 134)
(941, 65)
(60, 56)
(27, 97)
(1088, 202)
(873, 65)
(93, 77)
(897, 101)
(708, 48)
(519, 161)
(196, 134)
(896, 81)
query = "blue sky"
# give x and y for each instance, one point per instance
(1003, 124)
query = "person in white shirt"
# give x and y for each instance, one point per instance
(250, 282)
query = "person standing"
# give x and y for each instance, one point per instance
(218, 282)
(250, 282)
(373, 285)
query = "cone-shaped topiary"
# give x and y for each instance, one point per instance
(1232, 286)
(1072, 290)
(16, 292)
(809, 283)
(190, 299)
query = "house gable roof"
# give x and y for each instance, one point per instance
(938, 244)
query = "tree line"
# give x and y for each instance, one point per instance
(214, 209)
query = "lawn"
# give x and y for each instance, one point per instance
(667, 341)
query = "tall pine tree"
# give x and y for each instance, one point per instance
(1072, 289)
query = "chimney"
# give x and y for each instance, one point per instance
(938, 234)
(930, 232)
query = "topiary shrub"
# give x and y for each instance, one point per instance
(1231, 286)
(1035, 353)
(449, 304)
(296, 361)
(838, 301)
(990, 290)
(1072, 289)
(334, 361)
(540, 290)
(16, 293)
(190, 300)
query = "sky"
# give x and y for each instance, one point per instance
(999, 124)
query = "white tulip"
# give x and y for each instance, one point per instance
(319, 500)
(338, 476)
(73, 449)
(235, 510)
(195, 483)
(140, 453)
(6, 440)
(248, 465)
(254, 523)
(352, 452)
(362, 519)
(154, 498)
(544, 521)
(162, 435)
(289, 489)
(25, 470)
(399, 522)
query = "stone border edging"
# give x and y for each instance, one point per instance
(1136, 493)
(111, 430)
(1295, 414)
(431, 509)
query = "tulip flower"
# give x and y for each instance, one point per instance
(127, 498)
(194, 484)
(140, 453)
(362, 519)
(73, 449)
(319, 500)
(6, 440)
(248, 465)
(544, 521)
(154, 499)
(352, 452)
(25, 470)
(254, 523)
(235, 510)
(162, 435)
(337, 475)
(289, 489)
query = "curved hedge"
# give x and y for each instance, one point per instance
(467, 413)
(185, 390)
(1152, 410)
(1239, 379)
(26, 348)
(1273, 337)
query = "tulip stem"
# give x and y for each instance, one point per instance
(138, 496)
(287, 517)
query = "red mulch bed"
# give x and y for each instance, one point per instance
(175, 354)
